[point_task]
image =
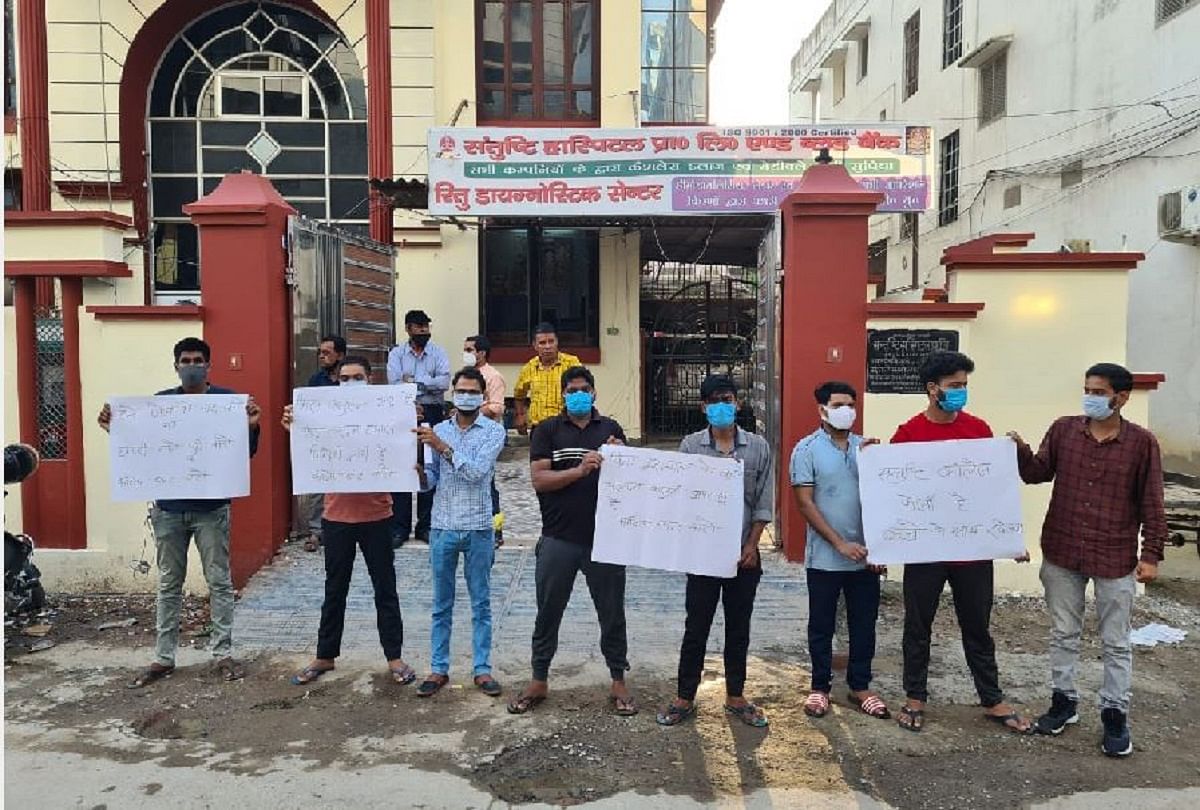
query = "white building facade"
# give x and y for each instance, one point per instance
(1075, 120)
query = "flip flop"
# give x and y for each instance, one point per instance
(230, 670)
(623, 707)
(916, 719)
(749, 714)
(309, 674)
(405, 675)
(432, 685)
(817, 704)
(149, 675)
(1003, 719)
(675, 714)
(521, 704)
(489, 686)
(871, 706)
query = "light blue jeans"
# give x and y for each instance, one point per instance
(478, 551)
(172, 532)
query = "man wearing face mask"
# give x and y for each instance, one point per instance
(565, 467)
(176, 522)
(426, 364)
(356, 520)
(824, 476)
(465, 449)
(330, 352)
(724, 439)
(477, 350)
(1108, 486)
(944, 378)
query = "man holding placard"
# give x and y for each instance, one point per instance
(363, 520)
(824, 477)
(944, 376)
(565, 467)
(175, 522)
(1108, 485)
(724, 439)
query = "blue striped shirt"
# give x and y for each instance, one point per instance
(463, 501)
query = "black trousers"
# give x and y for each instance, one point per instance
(862, 611)
(736, 595)
(558, 561)
(375, 540)
(971, 588)
(402, 522)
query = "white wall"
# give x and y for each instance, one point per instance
(1076, 71)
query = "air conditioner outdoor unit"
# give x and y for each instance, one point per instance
(1179, 215)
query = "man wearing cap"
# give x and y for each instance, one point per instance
(426, 364)
(724, 439)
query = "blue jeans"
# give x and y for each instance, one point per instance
(478, 552)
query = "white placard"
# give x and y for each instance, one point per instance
(354, 438)
(670, 511)
(941, 501)
(179, 446)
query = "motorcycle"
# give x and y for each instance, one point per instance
(23, 591)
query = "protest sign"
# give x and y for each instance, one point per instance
(354, 438)
(671, 511)
(941, 501)
(180, 446)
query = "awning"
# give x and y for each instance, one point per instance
(985, 52)
(835, 57)
(858, 31)
(812, 85)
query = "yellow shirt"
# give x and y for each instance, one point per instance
(542, 386)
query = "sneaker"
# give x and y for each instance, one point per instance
(1062, 713)
(1117, 741)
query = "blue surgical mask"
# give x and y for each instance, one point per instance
(952, 399)
(579, 403)
(720, 414)
(1097, 406)
(468, 402)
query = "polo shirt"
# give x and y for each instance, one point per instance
(570, 513)
(833, 474)
(542, 386)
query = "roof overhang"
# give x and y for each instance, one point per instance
(858, 31)
(811, 85)
(836, 56)
(986, 52)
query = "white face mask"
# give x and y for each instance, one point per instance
(468, 359)
(840, 418)
(353, 382)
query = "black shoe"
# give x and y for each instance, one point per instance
(398, 540)
(1117, 741)
(1063, 712)
(422, 537)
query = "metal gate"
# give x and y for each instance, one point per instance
(343, 284)
(700, 320)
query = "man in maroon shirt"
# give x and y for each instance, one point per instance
(944, 375)
(1108, 484)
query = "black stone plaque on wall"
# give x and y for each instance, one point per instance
(894, 357)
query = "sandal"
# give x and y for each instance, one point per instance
(523, 703)
(489, 685)
(309, 674)
(623, 707)
(149, 675)
(675, 714)
(916, 719)
(817, 704)
(871, 706)
(1006, 720)
(749, 714)
(432, 685)
(312, 543)
(230, 670)
(406, 675)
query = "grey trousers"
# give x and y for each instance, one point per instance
(558, 561)
(1114, 604)
(172, 532)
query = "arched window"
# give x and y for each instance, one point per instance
(256, 86)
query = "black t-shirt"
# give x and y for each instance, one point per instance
(570, 513)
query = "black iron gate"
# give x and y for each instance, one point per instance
(699, 320)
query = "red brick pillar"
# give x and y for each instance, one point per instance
(247, 322)
(824, 326)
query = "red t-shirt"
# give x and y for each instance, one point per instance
(921, 429)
